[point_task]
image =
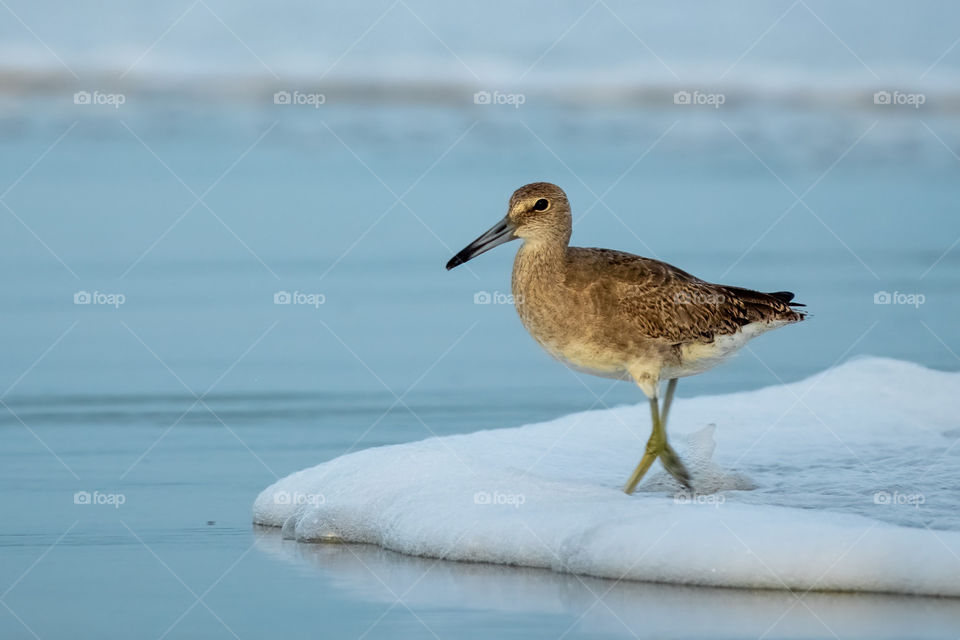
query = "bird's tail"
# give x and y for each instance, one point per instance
(786, 297)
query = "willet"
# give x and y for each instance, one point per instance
(617, 315)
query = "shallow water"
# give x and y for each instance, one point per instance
(185, 526)
(608, 608)
(296, 385)
(302, 200)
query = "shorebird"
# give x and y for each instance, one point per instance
(618, 315)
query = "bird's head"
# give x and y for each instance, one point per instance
(538, 212)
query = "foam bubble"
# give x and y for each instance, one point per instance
(838, 482)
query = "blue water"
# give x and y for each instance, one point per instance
(770, 44)
(300, 213)
(305, 200)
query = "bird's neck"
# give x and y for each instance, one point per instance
(539, 264)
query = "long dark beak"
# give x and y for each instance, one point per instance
(497, 235)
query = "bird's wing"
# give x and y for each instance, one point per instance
(665, 303)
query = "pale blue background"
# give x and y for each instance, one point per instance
(306, 209)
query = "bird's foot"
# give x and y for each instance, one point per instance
(659, 448)
(671, 462)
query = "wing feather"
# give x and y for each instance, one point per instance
(665, 303)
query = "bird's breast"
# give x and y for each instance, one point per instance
(567, 324)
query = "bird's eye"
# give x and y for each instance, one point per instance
(541, 204)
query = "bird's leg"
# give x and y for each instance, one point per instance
(654, 447)
(669, 458)
(658, 447)
(671, 462)
(667, 401)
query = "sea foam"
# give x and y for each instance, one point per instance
(843, 481)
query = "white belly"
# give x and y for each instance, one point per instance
(696, 358)
(588, 358)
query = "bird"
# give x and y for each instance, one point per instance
(618, 315)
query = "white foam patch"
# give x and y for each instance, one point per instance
(844, 481)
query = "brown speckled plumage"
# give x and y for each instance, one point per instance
(612, 313)
(618, 315)
(666, 303)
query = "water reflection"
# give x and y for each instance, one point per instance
(605, 606)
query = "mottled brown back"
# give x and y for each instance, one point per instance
(664, 303)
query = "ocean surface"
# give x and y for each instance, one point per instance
(150, 238)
